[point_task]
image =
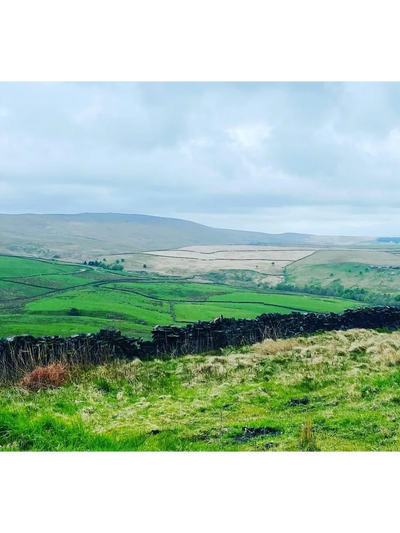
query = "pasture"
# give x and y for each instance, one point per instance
(336, 391)
(369, 275)
(45, 297)
(267, 261)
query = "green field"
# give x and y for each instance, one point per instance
(208, 311)
(36, 297)
(176, 291)
(15, 324)
(372, 284)
(350, 275)
(300, 303)
(336, 391)
(15, 267)
(12, 291)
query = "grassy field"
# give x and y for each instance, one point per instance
(350, 275)
(15, 267)
(328, 392)
(13, 291)
(267, 262)
(370, 256)
(176, 290)
(20, 324)
(36, 297)
(301, 303)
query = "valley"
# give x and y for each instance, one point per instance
(51, 298)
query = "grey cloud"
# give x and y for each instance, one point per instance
(323, 157)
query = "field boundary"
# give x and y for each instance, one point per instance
(23, 353)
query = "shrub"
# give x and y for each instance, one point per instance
(73, 312)
(45, 377)
(116, 267)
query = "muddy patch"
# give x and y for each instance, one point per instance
(298, 401)
(252, 433)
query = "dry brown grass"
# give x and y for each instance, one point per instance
(200, 260)
(45, 377)
(368, 257)
(120, 370)
(314, 357)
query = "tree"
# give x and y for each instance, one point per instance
(116, 267)
(122, 260)
(117, 261)
(145, 266)
(74, 312)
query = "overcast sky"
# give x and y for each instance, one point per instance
(319, 158)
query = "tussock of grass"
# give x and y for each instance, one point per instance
(332, 391)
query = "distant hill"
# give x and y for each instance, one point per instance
(92, 234)
(391, 240)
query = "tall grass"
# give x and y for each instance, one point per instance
(18, 360)
(331, 391)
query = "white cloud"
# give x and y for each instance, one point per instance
(249, 136)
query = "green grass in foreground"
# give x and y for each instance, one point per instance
(333, 391)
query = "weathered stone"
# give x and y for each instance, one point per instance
(193, 338)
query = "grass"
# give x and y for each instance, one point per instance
(350, 275)
(122, 306)
(15, 267)
(306, 303)
(177, 291)
(329, 392)
(12, 291)
(61, 281)
(18, 324)
(101, 302)
(190, 312)
(36, 297)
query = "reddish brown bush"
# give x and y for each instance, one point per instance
(45, 377)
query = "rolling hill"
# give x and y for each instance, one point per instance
(77, 237)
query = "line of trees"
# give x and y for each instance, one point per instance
(338, 290)
(102, 264)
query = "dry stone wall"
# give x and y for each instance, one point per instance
(23, 353)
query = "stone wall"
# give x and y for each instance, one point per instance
(23, 353)
(222, 332)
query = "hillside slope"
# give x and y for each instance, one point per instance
(87, 235)
(329, 392)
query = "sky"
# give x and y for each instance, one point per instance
(321, 158)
